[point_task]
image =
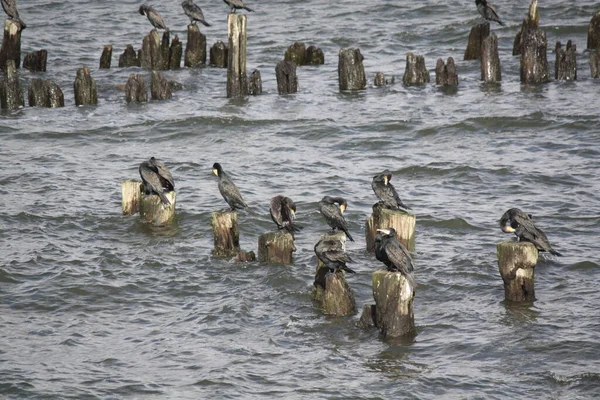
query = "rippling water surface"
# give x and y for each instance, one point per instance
(94, 305)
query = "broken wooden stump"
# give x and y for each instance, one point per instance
(314, 56)
(106, 57)
(218, 55)
(516, 262)
(11, 97)
(490, 61)
(195, 49)
(175, 53)
(255, 83)
(276, 247)
(287, 80)
(226, 234)
(445, 74)
(351, 72)
(383, 218)
(368, 318)
(478, 34)
(296, 53)
(245, 256)
(593, 39)
(131, 193)
(381, 80)
(154, 211)
(415, 73)
(534, 64)
(11, 44)
(35, 61)
(42, 93)
(151, 54)
(160, 89)
(85, 88)
(135, 89)
(595, 63)
(565, 67)
(237, 85)
(129, 58)
(532, 22)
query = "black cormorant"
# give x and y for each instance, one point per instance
(153, 16)
(228, 190)
(283, 213)
(331, 253)
(236, 5)
(10, 8)
(521, 224)
(193, 11)
(386, 192)
(488, 11)
(334, 214)
(393, 254)
(157, 179)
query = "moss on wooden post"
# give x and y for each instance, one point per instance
(154, 211)
(131, 193)
(106, 57)
(394, 297)
(490, 61)
(351, 72)
(237, 85)
(11, 44)
(85, 88)
(276, 247)
(516, 262)
(296, 53)
(226, 234)
(314, 56)
(402, 222)
(35, 61)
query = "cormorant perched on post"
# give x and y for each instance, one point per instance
(153, 16)
(157, 179)
(10, 8)
(236, 5)
(386, 192)
(488, 11)
(283, 213)
(334, 214)
(521, 224)
(228, 190)
(331, 253)
(193, 11)
(393, 254)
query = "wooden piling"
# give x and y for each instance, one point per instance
(42, 93)
(131, 194)
(226, 234)
(287, 80)
(368, 318)
(595, 63)
(415, 73)
(394, 296)
(276, 247)
(85, 88)
(218, 55)
(314, 56)
(165, 51)
(151, 56)
(135, 89)
(478, 34)
(379, 79)
(445, 73)
(534, 64)
(160, 88)
(532, 22)
(129, 58)
(593, 39)
(490, 61)
(106, 57)
(11, 97)
(565, 67)
(175, 53)
(383, 218)
(296, 53)
(255, 83)
(35, 61)
(516, 262)
(11, 44)
(154, 211)
(195, 49)
(351, 72)
(237, 85)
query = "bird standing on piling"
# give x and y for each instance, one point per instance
(10, 8)
(283, 213)
(228, 190)
(488, 11)
(157, 179)
(393, 254)
(236, 5)
(153, 16)
(331, 253)
(386, 192)
(521, 224)
(334, 214)
(193, 12)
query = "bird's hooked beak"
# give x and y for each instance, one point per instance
(385, 180)
(507, 229)
(385, 231)
(293, 213)
(343, 208)
(215, 172)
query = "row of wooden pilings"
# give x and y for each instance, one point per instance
(393, 311)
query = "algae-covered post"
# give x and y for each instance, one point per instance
(85, 88)
(490, 61)
(276, 247)
(534, 64)
(287, 80)
(153, 210)
(255, 83)
(415, 73)
(394, 296)
(106, 57)
(314, 56)
(237, 82)
(35, 61)
(11, 44)
(195, 49)
(532, 22)
(43, 93)
(445, 73)
(351, 72)
(131, 193)
(135, 89)
(226, 234)
(175, 53)
(383, 218)
(218, 55)
(129, 58)
(11, 97)
(160, 89)
(593, 39)
(516, 262)
(296, 53)
(478, 34)
(565, 67)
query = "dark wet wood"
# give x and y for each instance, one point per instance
(85, 88)
(287, 80)
(595, 63)
(175, 53)
(296, 53)
(394, 303)
(351, 72)
(368, 318)
(382, 218)
(135, 89)
(593, 39)
(218, 55)
(490, 61)
(478, 34)
(11, 44)
(237, 81)
(160, 89)
(226, 234)
(415, 73)
(11, 97)
(516, 262)
(314, 56)
(276, 247)
(532, 22)
(255, 83)
(42, 93)
(131, 193)
(565, 66)
(129, 58)
(152, 52)
(35, 61)
(154, 211)
(534, 64)
(445, 73)
(195, 49)
(106, 57)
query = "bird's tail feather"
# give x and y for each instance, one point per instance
(348, 269)
(248, 9)
(556, 253)
(164, 199)
(205, 23)
(348, 234)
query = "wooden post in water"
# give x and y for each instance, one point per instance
(351, 72)
(415, 73)
(35, 61)
(490, 61)
(175, 53)
(532, 22)
(516, 262)
(287, 80)
(154, 211)
(478, 34)
(445, 74)
(106, 57)
(195, 49)
(276, 247)
(394, 296)
(43, 93)
(85, 88)
(255, 83)
(131, 194)
(160, 88)
(129, 58)
(237, 85)
(565, 67)
(593, 39)
(296, 53)
(135, 89)
(151, 56)
(226, 233)
(11, 97)
(218, 55)
(595, 63)
(383, 218)
(314, 56)
(11, 44)
(534, 64)
(381, 80)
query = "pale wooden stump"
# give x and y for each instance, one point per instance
(237, 82)
(394, 297)
(11, 44)
(154, 211)
(382, 218)
(226, 233)
(276, 247)
(131, 193)
(490, 61)
(516, 262)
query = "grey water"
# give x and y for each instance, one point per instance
(95, 305)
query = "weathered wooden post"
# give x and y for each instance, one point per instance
(534, 64)
(131, 194)
(516, 262)
(595, 63)
(276, 247)
(160, 88)
(394, 297)
(154, 211)
(175, 53)
(36, 61)
(195, 49)
(255, 83)
(381, 80)
(490, 61)
(593, 39)
(237, 85)
(314, 56)
(85, 88)
(135, 89)
(478, 34)
(43, 93)
(165, 51)
(532, 22)
(383, 218)
(415, 73)
(445, 74)
(129, 58)
(351, 73)
(11, 97)
(151, 55)
(226, 234)
(287, 80)
(218, 55)
(11, 44)
(106, 57)
(565, 67)
(296, 53)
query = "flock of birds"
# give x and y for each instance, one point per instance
(158, 180)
